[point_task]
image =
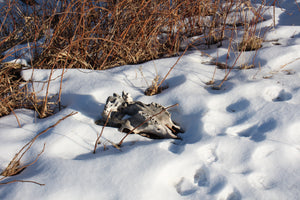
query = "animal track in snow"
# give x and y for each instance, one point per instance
(243, 130)
(176, 147)
(201, 177)
(238, 106)
(283, 96)
(276, 94)
(215, 120)
(184, 187)
(230, 193)
(261, 181)
(259, 131)
(205, 185)
(265, 175)
(217, 184)
(208, 152)
(256, 132)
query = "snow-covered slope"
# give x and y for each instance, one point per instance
(240, 142)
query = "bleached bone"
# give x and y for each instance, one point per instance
(127, 115)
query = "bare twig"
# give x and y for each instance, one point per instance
(43, 111)
(284, 65)
(29, 144)
(60, 88)
(22, 181)
(165, 77)
(98, 138)
(14, 166)
(12, 110)
(114, 144)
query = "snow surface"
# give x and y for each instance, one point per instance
(240, 142)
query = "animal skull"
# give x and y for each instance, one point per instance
(127, 115)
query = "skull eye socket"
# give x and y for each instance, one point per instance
(126, 130)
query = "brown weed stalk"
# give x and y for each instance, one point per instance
(100, 135)
(100, 35)
(15, 167)
(103, 34)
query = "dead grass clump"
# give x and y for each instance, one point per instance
(250, 43)
(15, 93)
(155, 87)
(14, 167)
(247, 66)
(12, 93)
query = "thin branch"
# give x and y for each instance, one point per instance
(29, 144)
(12, 110)
(161, 82)
(60, 86)
(114, 144)
(230, 69)
(18, 170)
(283, 66)
(14, 167)
(44, 107)
(37, 157)
(98, 138)
(22, 181)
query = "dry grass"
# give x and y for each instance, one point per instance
(103, 34)
(247, 66)
(100, 135)
(12, 92)
(155, 87)
(97, 35)
(250, 43)
(14, 167)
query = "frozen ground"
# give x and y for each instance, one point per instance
(240, 142)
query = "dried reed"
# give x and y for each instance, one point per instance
(103, 34)
(15, 167)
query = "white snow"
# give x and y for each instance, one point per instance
(240, 142)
